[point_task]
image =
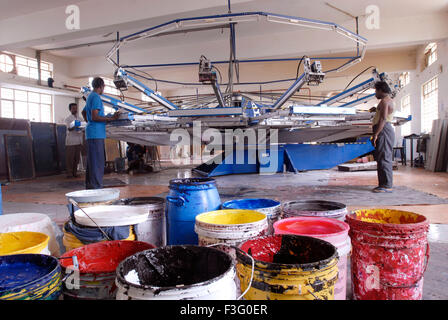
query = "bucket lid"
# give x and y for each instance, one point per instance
(95, 195)
(103, 257)
(111, 216)
(311, 226)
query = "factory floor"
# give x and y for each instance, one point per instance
(416, 190)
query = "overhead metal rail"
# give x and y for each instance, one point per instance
(224, 19)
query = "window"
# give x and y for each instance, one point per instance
(21, 104)
(145, 98)
(24, 66)
(430, 54)
(430, 105)
(109, 86)
(404, 79)
(406, 109)
(6, 62)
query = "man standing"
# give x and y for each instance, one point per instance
(383, 137)
(73, 142)
(95, 134)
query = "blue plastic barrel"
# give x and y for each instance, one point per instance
(29, 277)
(186, 199)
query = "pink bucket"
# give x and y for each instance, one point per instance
(331, 230)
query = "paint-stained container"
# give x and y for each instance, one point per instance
(186, 199)
(70, 241)
(97, 265)
(331, 230)
(29, 277)
(271, 208)
(315, 208)
(153, 230)
(34, 222)
(230, 226)
(23, 242)
(388, 255)
(288, 267)
(177, 272)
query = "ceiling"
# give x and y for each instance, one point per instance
(17, 8)
(317, 9)
(101, 19)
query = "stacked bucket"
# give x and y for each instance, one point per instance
(100, 215)
(253, 249)
(27, 270)
(88, 269)
(301, 250)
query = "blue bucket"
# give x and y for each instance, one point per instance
(29, 277)
(186, 199)
(271, 208)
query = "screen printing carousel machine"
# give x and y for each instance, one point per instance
(270, 137)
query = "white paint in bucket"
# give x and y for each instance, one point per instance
(132, 277)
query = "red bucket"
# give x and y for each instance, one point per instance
(388, 254)
(95, 279)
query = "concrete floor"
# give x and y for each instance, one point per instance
(416, 190)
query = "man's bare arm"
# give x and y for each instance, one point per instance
(97, 117)
(84, 115)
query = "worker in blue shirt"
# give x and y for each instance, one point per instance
(93, 113)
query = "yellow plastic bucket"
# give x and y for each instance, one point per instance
(288, 267)
(23, 242)
(70, 241)
(230, 226)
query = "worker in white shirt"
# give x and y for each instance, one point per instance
(73, 141)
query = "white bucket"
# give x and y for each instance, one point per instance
(330, 230)
(33, 222)
(230, 226)
(191, 273)
(153, 230)
(344, 249)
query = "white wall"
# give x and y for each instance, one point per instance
(418, 77)
(61, 107)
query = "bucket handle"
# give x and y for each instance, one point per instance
(248, 255)
(419, 278)
(178, 200)
(75, 265)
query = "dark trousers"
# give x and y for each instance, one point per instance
(95, 163)
(72, 155)
(384, 156)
